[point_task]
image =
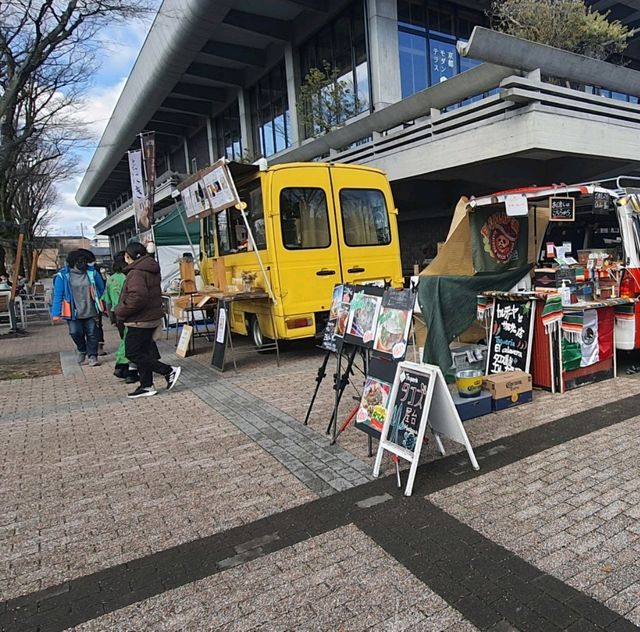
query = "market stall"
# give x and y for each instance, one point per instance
(577, 301)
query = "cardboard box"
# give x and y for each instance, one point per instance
(509, 389)
(472, 407)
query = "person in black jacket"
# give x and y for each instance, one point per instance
(140, 309)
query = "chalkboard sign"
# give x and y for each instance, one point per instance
(601, 201)
(511, 336)
(419, 400)
(409, 407)
(329, 335)
(222, 335)
(563, 209)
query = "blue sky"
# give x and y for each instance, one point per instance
(119, 48)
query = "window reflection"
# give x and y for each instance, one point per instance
(427, 40)
(342, 46)
(270, 120)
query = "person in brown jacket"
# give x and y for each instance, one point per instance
(140, 309)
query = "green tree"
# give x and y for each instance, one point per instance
(567, 24)
(326, 101)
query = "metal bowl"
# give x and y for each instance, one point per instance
(469, 383)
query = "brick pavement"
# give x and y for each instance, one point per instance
(572, 511)
(340, 580)
(161, 478)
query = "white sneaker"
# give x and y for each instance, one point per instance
(82, 357)
(93, 361)
(143, 391)
(172, 378)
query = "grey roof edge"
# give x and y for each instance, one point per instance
(180, 27)
(507, 50)
(475, 81)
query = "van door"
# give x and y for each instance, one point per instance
(367, 226)
(308, 259)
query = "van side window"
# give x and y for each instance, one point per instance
(255, 214)
(304, 218)
(365, 219)
(222, 230)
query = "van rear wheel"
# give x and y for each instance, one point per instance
(256, 332)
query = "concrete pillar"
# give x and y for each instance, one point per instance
(246, 136)
(292, 72)
(185, 145)
(212, 158)
(384, 52)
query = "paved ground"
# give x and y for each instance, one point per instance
(214, 508)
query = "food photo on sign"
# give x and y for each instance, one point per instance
(374, 402)
(344, 306)
(394, 322)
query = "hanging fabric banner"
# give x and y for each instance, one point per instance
(498, 242)
(137, 187)
(148, 142)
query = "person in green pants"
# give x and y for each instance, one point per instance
(124, 370)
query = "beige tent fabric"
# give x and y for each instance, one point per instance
(455, 257)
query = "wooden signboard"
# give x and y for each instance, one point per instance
(419, 399)
(562, 209)
(511, 336)
(222, 335)
(184, 341)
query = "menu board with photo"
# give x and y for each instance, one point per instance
(373, 405)
(394, 323)
(329, 335)
(363, 315)
(344, 307)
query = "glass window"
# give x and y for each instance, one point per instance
(304, 218)
(342, 46)
(365, 220)
(226, 134)
(270, 115)
(444, 61)
(207, 228)
(252, 195)
(427, 42)
(413, 63)
(222, 231)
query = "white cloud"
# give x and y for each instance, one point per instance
(119, 49)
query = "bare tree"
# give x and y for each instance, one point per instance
(48, 51)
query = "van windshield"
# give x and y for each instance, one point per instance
(365, 219)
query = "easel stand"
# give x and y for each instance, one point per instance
(322, 373)
(340, 384)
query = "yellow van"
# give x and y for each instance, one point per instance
(315, 225)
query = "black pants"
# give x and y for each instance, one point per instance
(140, 348)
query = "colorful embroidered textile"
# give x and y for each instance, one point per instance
(552, 313)
(572, 326)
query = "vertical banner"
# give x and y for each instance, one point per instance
(148, 142)
(137, 186)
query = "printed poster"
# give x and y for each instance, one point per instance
(374, 403)
(328, 338)
(344, 306)
(394, 323)
(363, 317)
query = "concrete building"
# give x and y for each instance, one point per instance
(442, 111)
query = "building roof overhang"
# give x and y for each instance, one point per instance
(195, 57)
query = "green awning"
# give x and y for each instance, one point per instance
(170, 230)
